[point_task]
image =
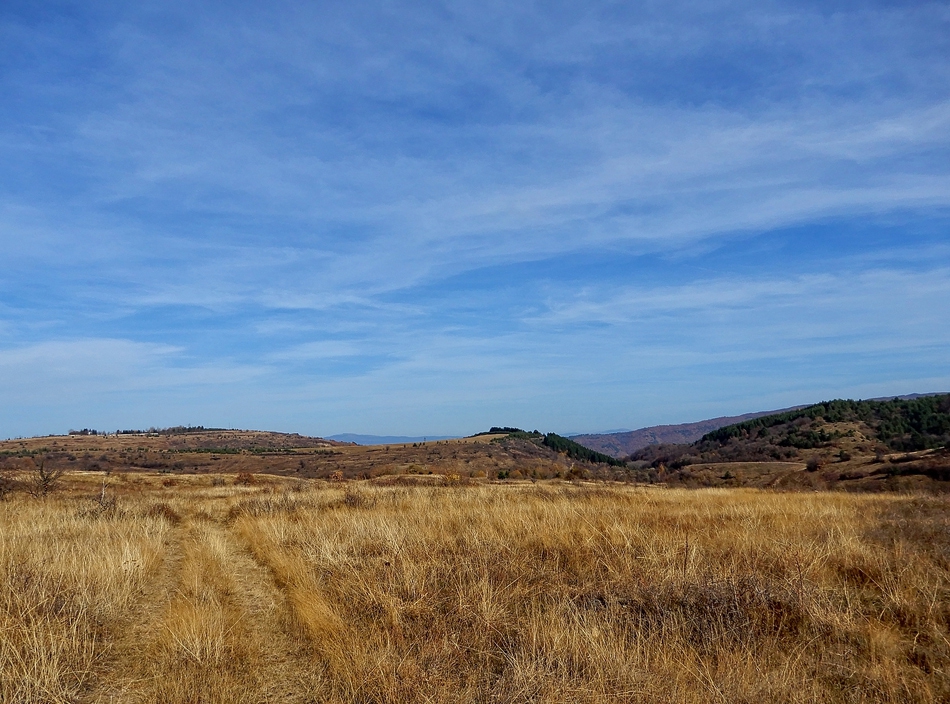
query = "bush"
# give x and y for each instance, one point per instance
(7, 485)
(814, 464)
(44, 479)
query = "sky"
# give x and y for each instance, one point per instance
(430, 218)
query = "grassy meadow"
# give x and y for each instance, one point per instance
(199, 589)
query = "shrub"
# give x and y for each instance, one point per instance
(7, 485)
(44, 479)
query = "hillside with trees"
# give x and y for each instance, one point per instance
(622, 444)
(839, 440)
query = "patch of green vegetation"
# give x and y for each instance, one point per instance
(25, 453)
(554, 442)
(807, 439)
(578, 452)
(533, 436)
(506, 430)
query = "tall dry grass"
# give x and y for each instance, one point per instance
(557, 593)
(70, 578)
(563, 594)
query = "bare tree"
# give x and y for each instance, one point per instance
(44, 479)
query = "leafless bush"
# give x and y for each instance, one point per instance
(44, 479)
(7, 485)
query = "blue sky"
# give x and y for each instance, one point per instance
(429, 218)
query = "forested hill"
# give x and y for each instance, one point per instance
(867, 427)
(553, 441)
(915, 424)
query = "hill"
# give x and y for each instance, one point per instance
(866, 445)
(625, 443)
(622, 443)
(502, 453)
(855, 442)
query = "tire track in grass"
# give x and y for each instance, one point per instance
(116, 678)
(282, 658)
(196, 647)
(214, 628)
(309, 618)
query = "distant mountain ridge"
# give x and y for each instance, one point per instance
(622, 444)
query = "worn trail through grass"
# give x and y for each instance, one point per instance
(217, 621)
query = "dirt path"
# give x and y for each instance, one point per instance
(212, 628)
(117, 674)
(287, 672)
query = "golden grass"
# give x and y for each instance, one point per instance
(522, 593)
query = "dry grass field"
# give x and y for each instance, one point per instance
(187, 589)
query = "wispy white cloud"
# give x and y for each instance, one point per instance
(873, 311)
(57, 369)
(594, 162)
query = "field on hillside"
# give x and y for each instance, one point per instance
(184, 589)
